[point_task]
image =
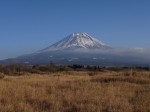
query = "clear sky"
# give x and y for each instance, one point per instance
(30, 25)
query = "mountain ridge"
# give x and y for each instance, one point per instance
(81, 48)
(78, 40)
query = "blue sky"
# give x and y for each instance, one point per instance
(30, 25)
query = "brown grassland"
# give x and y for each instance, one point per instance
(76, 91)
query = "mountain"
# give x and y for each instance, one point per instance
(81, 48)
(77, 40)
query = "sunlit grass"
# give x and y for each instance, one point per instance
(76, 92)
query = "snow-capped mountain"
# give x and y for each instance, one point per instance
(79, 48)
(76, 41)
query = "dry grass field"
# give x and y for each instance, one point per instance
(82, 91)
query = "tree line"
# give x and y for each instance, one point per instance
(19, 69)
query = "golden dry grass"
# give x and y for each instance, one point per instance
(76, 92)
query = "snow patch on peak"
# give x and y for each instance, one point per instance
(78, 40)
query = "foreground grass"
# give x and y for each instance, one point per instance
(76, 92)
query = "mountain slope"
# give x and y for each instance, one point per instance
(81, 48)
(78, 41)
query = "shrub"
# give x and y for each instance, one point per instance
(92, 73)
(1, 75)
